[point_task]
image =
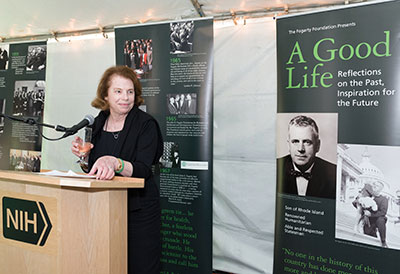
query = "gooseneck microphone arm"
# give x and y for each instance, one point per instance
(88, 120)
(32, 122)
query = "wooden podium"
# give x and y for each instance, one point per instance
(52, 225)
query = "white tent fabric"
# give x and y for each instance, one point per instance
(244, 146)
(244, 130)
(74, 67)
(45, 17)
(21, 18)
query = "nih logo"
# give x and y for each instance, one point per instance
(25, 221)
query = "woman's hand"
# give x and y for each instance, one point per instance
(76, 144)
(104, 168)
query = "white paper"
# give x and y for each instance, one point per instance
(69, 173)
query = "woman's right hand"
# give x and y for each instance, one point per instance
(76, 144)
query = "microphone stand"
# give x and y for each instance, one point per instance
(32, 122)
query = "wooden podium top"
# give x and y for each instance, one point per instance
(36, 178)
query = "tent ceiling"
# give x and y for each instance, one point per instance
(41, 17)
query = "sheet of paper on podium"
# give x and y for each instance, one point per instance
(68, 173)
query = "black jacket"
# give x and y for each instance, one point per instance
(321, 184)
(140, 142)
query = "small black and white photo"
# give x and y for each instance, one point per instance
(181, 37)
(25, 160)
(138, 55)
(36, 59)
(4, 56)
(28, 98)
(182, 103)
(171, 157)
(143, 107)
(306, 154)
(368, 198)
(2, 111)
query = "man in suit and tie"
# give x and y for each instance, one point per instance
(301, 172)
(190, 104)
(377, 219)
(178, 103)
(3, 59)
(171, 106)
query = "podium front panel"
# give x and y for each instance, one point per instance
(54, 229)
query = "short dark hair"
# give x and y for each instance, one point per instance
(102, 89)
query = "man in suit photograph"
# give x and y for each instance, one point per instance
(171, 106)
(377, 219)
(3, 59)
(301, 172)
(190, 104)
(176, 160)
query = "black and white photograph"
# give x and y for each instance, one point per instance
(25, 160)
(138, 55)
(143, 107)
(4, 56)
(29, 98)
(171, 157)
(181, 37)
(36, 59)
(2, 111)
(182, 103)
(306, 151)
(368, 198)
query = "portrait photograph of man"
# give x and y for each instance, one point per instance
(306, 151)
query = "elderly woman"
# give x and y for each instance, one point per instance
(127, 142)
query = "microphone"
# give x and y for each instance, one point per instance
(87, 121)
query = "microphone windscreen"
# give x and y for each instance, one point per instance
(90, 119)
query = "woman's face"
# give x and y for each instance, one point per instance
(121, 95)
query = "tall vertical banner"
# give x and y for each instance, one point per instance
(174, 62)
(338, 141)
(22, 91)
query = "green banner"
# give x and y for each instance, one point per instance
(174, 62)
(338, 137)
(22, 91)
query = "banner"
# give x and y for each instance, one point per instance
(338, 140)
(174, 62)
(22, 91)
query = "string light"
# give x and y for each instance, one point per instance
(286, 9)
(103, 32)
(54, 35)
(233, 14)
(237, 17)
